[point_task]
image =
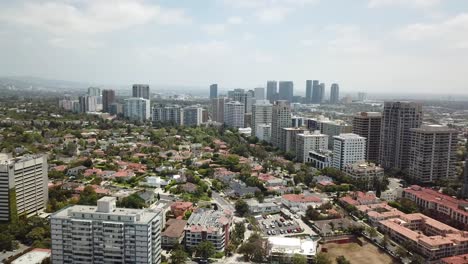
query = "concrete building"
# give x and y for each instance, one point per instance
(297, 121)
(317, 92)
(288, 138)
(263, 132)
(334, 94)
(320, 159)
(286, 91)
(210, 225)
(173, 234)
(23, 186)
(104, 233)
(168, 114)
(108, 98)
(217, 109)
(261, 114)
(282, 249)
(368, 125)
(141, 91)
(308, 97)
(88, 103)
(365, 173)
(464, 190)
(192, 116)
(266, 207)
(300, 201)
(281, 118)
(94, 91)
(213, 91)
(259, 93)
(234, 114)
(348, 149)
(272, 90)
(334, 128)
(433, 153)
(397, 120)
(307, 141)
(137, 109)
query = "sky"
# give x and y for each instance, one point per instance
(376, 46)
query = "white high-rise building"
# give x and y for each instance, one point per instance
(307, 142)
(348, 148)
(263, 132)
(85, 234)
(259, 93)
(261, 114)
(137, 109)
(94, 91)
(280, 118)
(192, 116)
(168, 114)
(234, 114)
(23, 186)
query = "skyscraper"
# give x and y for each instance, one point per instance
(433, 153)
(322, 92)
(259, 93)
(316, 92)
(281, 118)
(108, 98)
(105, 233)
(308, 98)
(272, 90)
(286, 91)
(234, 114)
(307, 142)
(334, 94)
(464, 190)
(141, 91)
(261, 114)
(23, 186)
(94, 91)
(137, 109)
(348, 149)
(213, 91)
(368, 125)
(217, 109)
(397, 120)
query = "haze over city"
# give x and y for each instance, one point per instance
(375, 46)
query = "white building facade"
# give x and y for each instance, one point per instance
(234, 114)
(307, 141)
(137, 109)
(348, 148)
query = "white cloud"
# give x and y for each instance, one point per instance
(270, 11)
(72, 43)
(90, 16)
(403, 3)
(235, 20)
(451, 32)
(214, 29)
(350, 39)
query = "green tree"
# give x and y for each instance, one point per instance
(342, 260)
(321, 258)
(401, 252)
(178, 256)
(242, 208)
(132, 201)
(239, 230)
(88, 196)
(6, 241)
(372, 232)
(205, 249)
(299, 259)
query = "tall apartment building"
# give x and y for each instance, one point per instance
(209, 225)
(397, 120)
(272, 90)
(213, 91)
(348, 149)
(280, 118)
(217, 109)
(308, 97)
(307, 141)
(286, 91)
(141, 91)
(259, 93)
(192, 116)
(137, 109)
(334, 128)
(261, 114)
(263, 132)
(368, 125)
(334, 94)
(168, 114)
(433, 153)
(94, 91)
(88, 103)
(108, 98)
(23, 186)
(234, 114)
(317, 96)
(288, 138)
(464, 190)
(106, 234)
(297, 121)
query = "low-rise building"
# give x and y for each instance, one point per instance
(300, 201)
(365, 173)
(320, 159)
(266, 207)
(209, 225)
(173, 234)
(282, 249)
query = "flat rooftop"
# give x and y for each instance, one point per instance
(291, 246)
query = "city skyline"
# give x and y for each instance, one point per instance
(389, 44)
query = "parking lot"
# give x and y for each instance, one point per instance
(272, 225)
